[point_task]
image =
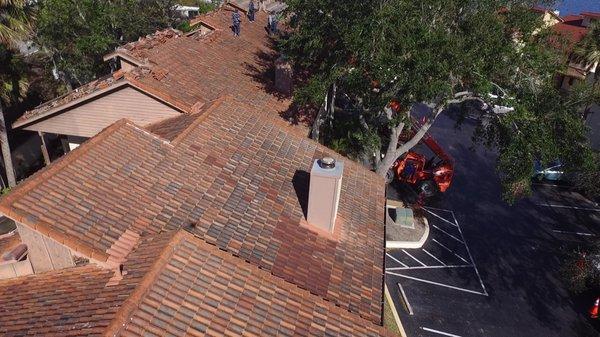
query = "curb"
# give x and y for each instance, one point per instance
(394, 312)
(410, 244)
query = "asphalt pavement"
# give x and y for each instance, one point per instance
(490, 268)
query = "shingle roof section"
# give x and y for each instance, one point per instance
(239, 177)
(77, 301)
(202, 290)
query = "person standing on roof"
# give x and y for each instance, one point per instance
(236, 20)
(251, 11)
(262, 6)
(272, 23)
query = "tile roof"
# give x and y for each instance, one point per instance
(595, 15)
(233, 173)
(572, 35)
(572, 19)
(78, 301)
(188, 71)
(204, 68)
(202, 290)
(237, 176)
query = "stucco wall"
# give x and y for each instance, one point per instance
(44, 253)
(15, 269)
(89, 118)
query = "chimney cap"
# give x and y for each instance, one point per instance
(327, 163)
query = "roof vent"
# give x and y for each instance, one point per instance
(324, 193)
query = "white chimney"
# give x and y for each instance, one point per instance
(324, 193)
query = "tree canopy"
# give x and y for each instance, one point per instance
(438, 52)
(77, 33)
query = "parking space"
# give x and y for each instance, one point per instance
(444, 262)
(445, 249)
(490, 268)
(570, 214)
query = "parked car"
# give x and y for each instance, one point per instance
(554, 172)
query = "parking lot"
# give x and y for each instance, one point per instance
(489, 268)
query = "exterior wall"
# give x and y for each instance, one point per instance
(89, 118)
(44, 253)
(549, 19)
(15, 269)
(126, 66)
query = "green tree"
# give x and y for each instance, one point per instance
(438, 52)
(14, 27)
(14, 23)
(588, 50)
(77, 33)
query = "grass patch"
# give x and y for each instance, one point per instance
(388, 318)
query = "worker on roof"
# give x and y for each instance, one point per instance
(236, 20)
(251, 11)
(272, 23)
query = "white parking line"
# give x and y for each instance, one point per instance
(575, 233)
(414, 258)
(450, 235)
(440, 332)
(554, 185)
(439, 217)
(437, 284)
(450, 250)
(431, 267)
(470, 256)
(432, 256)
(395, 259)
(437, 209)
(408, 306)
(570, 207)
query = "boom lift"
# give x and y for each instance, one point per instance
(429, 176)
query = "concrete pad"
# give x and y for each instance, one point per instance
(398, 234)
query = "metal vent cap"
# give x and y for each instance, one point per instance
(327, 163)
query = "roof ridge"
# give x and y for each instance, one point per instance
(202, 116)
(51, 272)
(161, 95)
(133, 300)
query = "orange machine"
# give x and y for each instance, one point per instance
(429, 176)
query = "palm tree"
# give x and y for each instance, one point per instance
(14, 26)
(587, 51)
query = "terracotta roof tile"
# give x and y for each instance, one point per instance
(234, 174)
(595, 15)
(201, 289)
(187, 71)
(572, 19)
(571, 34)
(240, 179)
(74, 301)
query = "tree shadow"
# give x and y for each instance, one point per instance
(262, 71)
